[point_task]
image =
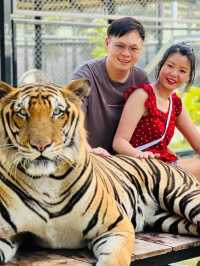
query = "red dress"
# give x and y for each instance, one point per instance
(152, 126)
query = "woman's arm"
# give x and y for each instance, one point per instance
(133, 110)
(189, 130)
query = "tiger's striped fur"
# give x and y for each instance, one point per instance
(51, 187)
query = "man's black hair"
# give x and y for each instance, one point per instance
(120, 27)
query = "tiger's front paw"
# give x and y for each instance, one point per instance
(7, 250)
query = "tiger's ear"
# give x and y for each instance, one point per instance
(80, 87)
(5, 89)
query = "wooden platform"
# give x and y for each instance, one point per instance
(151, 250)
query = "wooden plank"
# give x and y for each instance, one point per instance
(53, 258)
(168, 258)
(148, 246)
(145, 249)
(42, 257)
(176, 242)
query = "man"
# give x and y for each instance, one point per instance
(109, 78)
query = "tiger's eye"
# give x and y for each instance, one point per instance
(22, 113)
(58, 112)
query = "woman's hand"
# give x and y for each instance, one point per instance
(147, 154)
(100, 151)
(97, 150)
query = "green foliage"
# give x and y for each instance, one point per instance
(191, 262)
(97, 38)
(191, 100)
(179, 144)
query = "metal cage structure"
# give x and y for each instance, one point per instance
(57, 36)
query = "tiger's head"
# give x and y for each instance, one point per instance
(41, 126)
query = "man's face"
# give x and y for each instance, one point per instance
(125, 51)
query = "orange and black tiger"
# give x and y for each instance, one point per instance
(53, 188)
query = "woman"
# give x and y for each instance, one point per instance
(152, 112)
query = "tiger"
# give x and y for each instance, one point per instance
(54, 188)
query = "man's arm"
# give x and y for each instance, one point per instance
(84, 72)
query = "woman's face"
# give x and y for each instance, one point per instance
(175, 71)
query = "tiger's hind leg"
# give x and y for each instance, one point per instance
(7, 250)
(183, 200)
(114, 247)
(175, 224)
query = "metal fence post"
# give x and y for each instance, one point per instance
(38, 38)
(7, 39)
(13, 46)
(2, 42)
(160, 31)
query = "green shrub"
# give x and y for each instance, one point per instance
(97, 38)
(191, 100)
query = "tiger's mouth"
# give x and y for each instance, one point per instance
(42, 160)
(39, 167)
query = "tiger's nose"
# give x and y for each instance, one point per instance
(41, 146)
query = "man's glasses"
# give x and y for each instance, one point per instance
(120, 48)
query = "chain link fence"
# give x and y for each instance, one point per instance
(88, 6)
(57, 36)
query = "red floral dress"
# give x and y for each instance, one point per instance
(152, 125)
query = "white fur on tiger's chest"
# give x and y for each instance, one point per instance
(48, 189)
(65, 231)
(61, 235)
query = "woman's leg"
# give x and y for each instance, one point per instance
(190, 165)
